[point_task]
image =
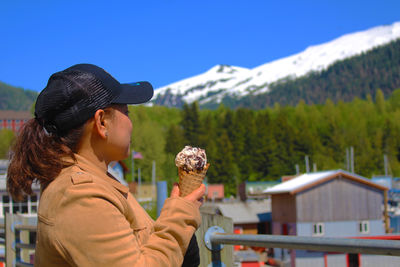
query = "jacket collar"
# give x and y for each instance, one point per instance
(85, 165)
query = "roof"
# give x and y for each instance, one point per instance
(309, 180)
(242, 212)
(15, 115)
(258, 187)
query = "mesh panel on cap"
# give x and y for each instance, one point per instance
(71, 98)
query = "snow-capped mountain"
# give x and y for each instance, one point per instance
(221, 80)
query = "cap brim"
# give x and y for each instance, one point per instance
(134, 93)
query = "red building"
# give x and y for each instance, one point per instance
(215, 191)
(13, 120)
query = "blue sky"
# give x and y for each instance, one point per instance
(166, 41)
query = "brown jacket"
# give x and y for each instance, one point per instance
(87, 218)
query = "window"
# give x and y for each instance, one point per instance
(20, 206)
(6, 204)
(363, 227)
(318, 229)
(33, 203)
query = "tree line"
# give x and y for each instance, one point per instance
(248, 145)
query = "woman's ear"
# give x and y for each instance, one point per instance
(101, 123)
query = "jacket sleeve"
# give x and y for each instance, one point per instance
(91, 230)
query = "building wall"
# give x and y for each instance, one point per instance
(309, 259)
(395, 224)
(146, 192)
(283, 208)
(11, 124)
(342, 229)
(247, 228)
(29, 206)
(317, 259)
(215, 191)
(336, 260)
(339, 199)
(278, 229)
(378, 260)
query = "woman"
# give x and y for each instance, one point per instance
(85, 216)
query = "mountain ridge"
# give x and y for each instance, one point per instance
(16, 98)
(212, 86)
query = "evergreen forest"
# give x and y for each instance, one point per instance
(263, 145)
(14, 98)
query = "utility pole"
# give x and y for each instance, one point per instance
(307, 164)
(153, 178)
(139, 181)
(133, 167)
(352, 158)
(385, 162)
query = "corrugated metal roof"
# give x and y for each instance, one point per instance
(241, 212)
(309, 179)
(15, 115)
(4, 164)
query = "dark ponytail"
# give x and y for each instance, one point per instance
(38, 156)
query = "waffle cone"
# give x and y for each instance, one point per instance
(190, 180)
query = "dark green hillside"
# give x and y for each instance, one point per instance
(14, 98)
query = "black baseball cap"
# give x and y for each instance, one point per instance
(73, 95)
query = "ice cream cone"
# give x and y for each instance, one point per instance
(190, 180)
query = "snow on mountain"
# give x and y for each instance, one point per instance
(221, 80)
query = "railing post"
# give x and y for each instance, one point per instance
(223, 257)
(9, 240)
(24, 238)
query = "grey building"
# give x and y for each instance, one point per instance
(328, 204)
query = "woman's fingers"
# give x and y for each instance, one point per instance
(175, 190)
(197, 194)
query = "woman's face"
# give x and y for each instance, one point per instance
(119, 133)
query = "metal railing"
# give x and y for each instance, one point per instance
(212, 241)
(216, 232)
(344, 245)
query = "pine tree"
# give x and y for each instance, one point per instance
(174, 139)
(224, 165)
(380, 101)
(191, 123)
(265, 153)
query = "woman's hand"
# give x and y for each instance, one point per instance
(196, 197)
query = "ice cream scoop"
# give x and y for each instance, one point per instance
(192, 168)
(191, 159)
